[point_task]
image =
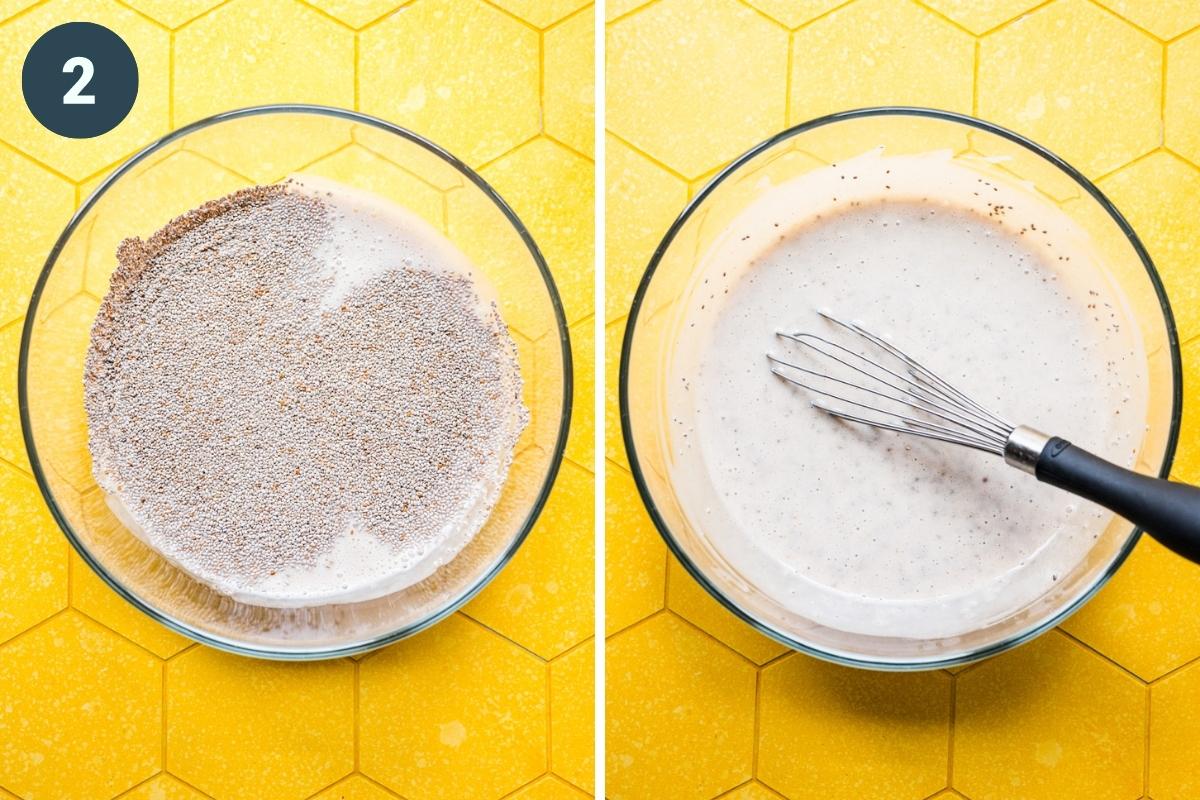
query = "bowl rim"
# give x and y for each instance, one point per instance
(232, 645)
(691, 207)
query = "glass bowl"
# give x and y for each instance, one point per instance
(653, 328)
(211, 158)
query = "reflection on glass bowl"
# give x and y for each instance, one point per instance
(652, 332)
(212, 158)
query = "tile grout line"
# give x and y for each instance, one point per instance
(341, 23)
(1182, 34)
(171, 80)
(39, 624)
(589, 6)
(821, 16)
(950, 728)
(729, 792)
(505, 12)
(1144, 31)
(787, 81)
(551, 137)
(330, 154)
(1027, 12)
(218, 164)
(110, 629)
(357, 733)
(725, 645)
(1171, 151)
(125, 4)
(947, 19)
(1176, 670)
(542, 81)
(17, 469)
(749, 6)
(1106, 658)
(629, 13)
(165, 766)
(1142, 157)
(571, 649)
(71, 581)
(653, 160)
(549, 717)
(382, 17)
(666, 598)
(754, 745)
(330, 785)
(491, 161)
(136, 786)
(975, 80)
(104, 171)
(189, 648)
(510, 640)
(21, 153)
(630, 626)
(203, 13)
(390, 792)
(527, 784)
(190, 785)
(1162, 100)
(1146, 752)
(28, 9)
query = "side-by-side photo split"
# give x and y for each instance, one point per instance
(900, 339)
(298, 461)
(628, 399)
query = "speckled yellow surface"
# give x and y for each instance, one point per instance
(96, 700)
(700, 706)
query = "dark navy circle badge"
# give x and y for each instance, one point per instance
(80, 80)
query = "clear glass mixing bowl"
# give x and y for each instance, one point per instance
(211, 158)
(998, 155)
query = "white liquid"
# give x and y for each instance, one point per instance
(368, 237)
(872, 532)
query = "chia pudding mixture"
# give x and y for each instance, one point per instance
(297, 394)
(871, 532)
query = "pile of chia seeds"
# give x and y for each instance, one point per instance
(245, 424)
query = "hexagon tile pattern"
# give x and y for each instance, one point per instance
(79, 158)
(1105, 708)
(1110, 81)
(99, 701)
(236, 725)
(684, 728)
(887, 53)
(485, 736)
(672, 61)
(82, 711)
(464, 74)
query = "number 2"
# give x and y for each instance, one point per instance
(73, 96)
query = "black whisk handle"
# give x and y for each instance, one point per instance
(1167, 510)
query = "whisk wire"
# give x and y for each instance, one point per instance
(923, 374)
(914, 401)
(931, 433)
(914, 391)
(945, 413)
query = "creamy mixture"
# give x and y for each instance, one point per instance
(870, 531)
(301, 394)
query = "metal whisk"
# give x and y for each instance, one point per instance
(891, 390)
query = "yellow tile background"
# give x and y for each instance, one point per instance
(96, 700)
(701, 706)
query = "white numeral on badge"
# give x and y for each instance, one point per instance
(73, 96)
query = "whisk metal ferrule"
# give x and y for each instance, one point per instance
(1024, 447)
